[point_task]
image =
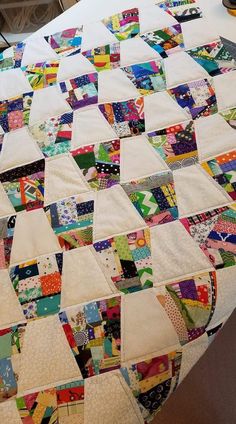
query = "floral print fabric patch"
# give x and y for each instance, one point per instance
(67, 42)
(93, 333)
(37, 284)
(154, 198)
(15, 60)
(15, 112)
(42, 75)
(126, 118)
(127, 260)
(147, 77)
(124, 25)
(197, 98)
(165, 41)
(72, 222)
(181, 10)
(7, 226)
(99, 163)
(105, 57)
(80, 91)
(176, 144)
(24, 185)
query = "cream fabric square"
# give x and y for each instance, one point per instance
(198, 32)
(33, 236)
(181, 68)
(175, 254)
(114, 214)
(62, 179)
(135, 50)
(147, 330)
(10, 310)
(37, 50)
(154, 18)
(108, 400)
(74, 66)
(9, 413)
(82, 278)
(197, 192)
(95, 34)
(210, 132)
(115, 86)
(18, 149)
(13, 83)
(90, 126)
(225, 88)
(162, 111)
(6, 207)
(192, 352)
(139, 159)
(47, 103)
(46, 358)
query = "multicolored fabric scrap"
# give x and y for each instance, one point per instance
(24, 185)
(152, 381)
(7, 226)
(165, 41)
(215, 232)
(67, 42)
(190, 304)
(176, 144)
(80, 91)
(15, 112)
(223, 169)
(72, 221)
(124, 25)
(197, 98)
(181, 10)
(148, 77)
(14, 61)
(42, 74)
(126, 118)
(230, 117)
(93, 333)
(214, 58)
(51, 405)
(154, 198)
(127, 260)
(100, 163)
(11, 340)
(54, 135)
(105, 57)
(37, 284)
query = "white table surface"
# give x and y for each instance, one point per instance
(87, 11)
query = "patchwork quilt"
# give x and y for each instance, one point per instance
(117, 212)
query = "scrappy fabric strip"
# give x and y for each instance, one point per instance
(127, 260)
(11, 341)
(194, 298)
(93, 334)
(13, 61)
(124, 25)
(72, 222)
(181, 10)
(41, 75)
(154, 198)
(214, 58)
(165, 41)
(80, 91)
(37, 284)
(176, 144)
(152, 381)
(15, 112)
(104, 58)
(99, 163)
(197, 98)
(24, 185)
(215, 232)
(223, 169)
(126, 118)
(148, 77)
(230, 117)
(7, 226)
(67, 42)
(54, 135)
